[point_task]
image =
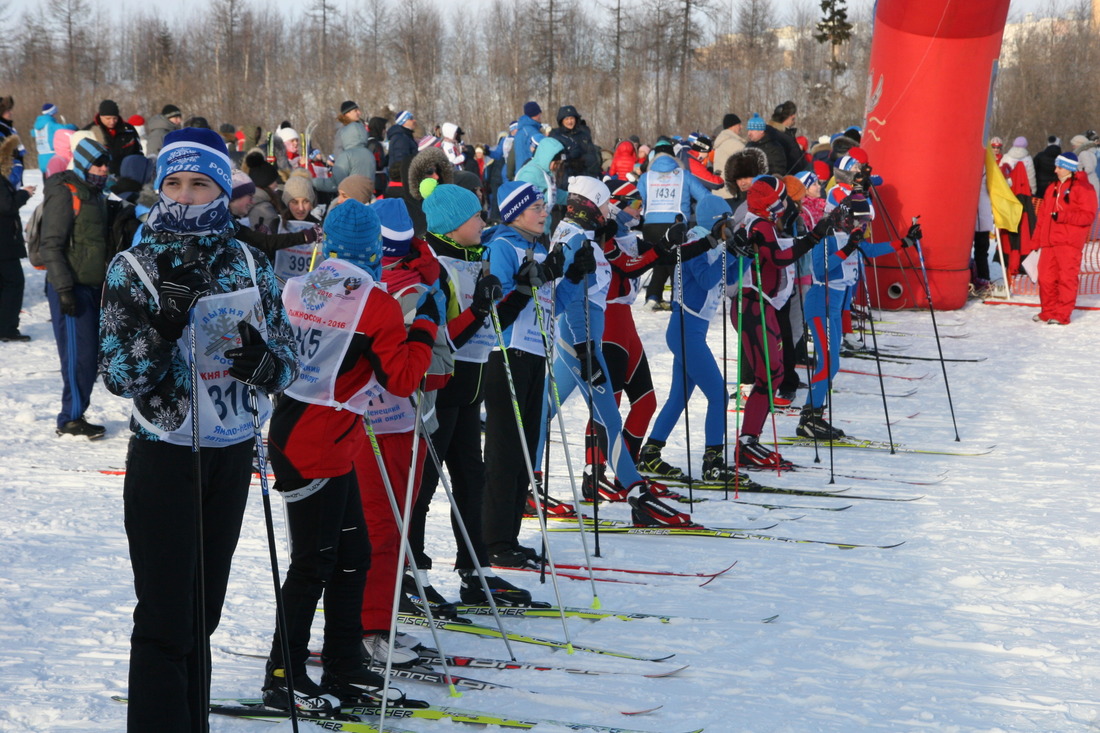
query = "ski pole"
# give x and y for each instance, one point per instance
(202, 643)
(403, 555)
(878, 364)
(683, 362)
(725, 371)
(740, 365)
(935, 330)
(767, 356)
(280, 609)
(539, 509)
(469, 544)
(589, 458)
(552, 391)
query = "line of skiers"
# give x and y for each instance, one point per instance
(382, 335)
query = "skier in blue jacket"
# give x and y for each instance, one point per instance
(704, 279)
(45, 125)
(668, 191)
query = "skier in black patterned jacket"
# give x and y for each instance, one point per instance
(188, 282)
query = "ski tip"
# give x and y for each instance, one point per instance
(769, 619)
(669, 673)
(641, 712)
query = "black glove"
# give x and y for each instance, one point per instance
(584, 263)
(608, 231)
(253, 362)
(666, 253)
(718, 231)
(530, 275)
(597, 377)
(180, 288)
(854, 240)
(487, 291)
(312, 234)
(823, 227)
(862, 179)
(915, 232)
(676, 234)
(553, 266)
(742, 244)
(67, 301)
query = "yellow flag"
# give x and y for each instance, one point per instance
(1007, 209)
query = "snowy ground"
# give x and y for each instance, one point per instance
(985, 619)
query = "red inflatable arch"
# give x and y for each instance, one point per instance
(931, 78)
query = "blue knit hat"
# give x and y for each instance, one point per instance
(710, 209)
(756, 122)
(196, 150)
(808, 178)
(532, 109)
(86, 153)
(449, 207)
(1067, 161)
(515, 197)
(404, 117)
(354, 234)
(49, 108)
(397, 226)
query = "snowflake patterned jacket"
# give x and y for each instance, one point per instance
(137, 362)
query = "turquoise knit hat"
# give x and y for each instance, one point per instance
(448, 207)
(354, 234)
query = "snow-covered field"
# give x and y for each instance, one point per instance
(985, 619)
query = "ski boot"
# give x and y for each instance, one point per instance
(553, 507)
(440, 606)
(650, 462)
(656, 488)
(715, 468)
(360, 686)
(751, 454)
(504, 593)
(646, 510)
(377, 646)
(598, 482)
(307, 696)
(812, 424)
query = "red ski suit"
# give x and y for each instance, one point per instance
(1065, 217)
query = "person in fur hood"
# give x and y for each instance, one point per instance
(12, 248)
(740, 170)
(429, 164)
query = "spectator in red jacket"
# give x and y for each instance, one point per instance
(1066, 214)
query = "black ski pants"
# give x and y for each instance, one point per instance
(161, 513)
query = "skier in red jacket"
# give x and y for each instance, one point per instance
(1065, 217)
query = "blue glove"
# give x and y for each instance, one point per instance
(432, 306)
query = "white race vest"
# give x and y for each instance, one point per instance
(849, 266)
(224, 410)
(465, 275)
(324, 308)
(598, 285)
(714, 295)
(42, 140)
(524, 333)
(664, 191)
(294, 261)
